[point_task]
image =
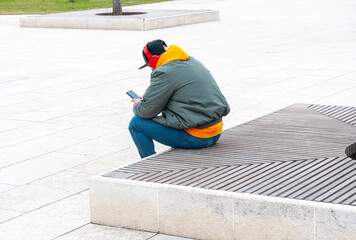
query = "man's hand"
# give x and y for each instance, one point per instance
(136, 100)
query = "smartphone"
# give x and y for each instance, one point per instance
(133, 95)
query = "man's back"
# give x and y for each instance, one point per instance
(196, 98)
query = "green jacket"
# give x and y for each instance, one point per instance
(181, 95)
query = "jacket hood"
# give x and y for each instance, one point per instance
(173, 53)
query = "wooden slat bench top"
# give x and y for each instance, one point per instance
(297, 152)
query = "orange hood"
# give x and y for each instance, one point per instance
(173, 53)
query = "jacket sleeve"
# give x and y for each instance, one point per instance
(156, 96)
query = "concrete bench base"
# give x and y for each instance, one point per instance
(208, 214)
(282, 176)
(94, 19)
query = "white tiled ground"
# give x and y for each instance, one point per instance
(64, 112)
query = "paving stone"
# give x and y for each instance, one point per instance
(102, 146)
(5, 187)
(108, 162)
(94, 232)
(6, 215)
(50, 221)
(167, 237)
(40, 167)
(30, 131)
(27, 198)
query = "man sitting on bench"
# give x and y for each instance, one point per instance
(183, 105)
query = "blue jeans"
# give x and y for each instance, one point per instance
(144, 131)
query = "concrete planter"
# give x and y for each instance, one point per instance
(101, 19)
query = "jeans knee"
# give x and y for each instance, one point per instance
(133, 122)
(136, 123)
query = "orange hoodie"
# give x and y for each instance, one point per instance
(174, 53)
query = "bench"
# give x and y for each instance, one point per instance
(284, 175)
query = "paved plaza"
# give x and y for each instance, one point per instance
(64, 112)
